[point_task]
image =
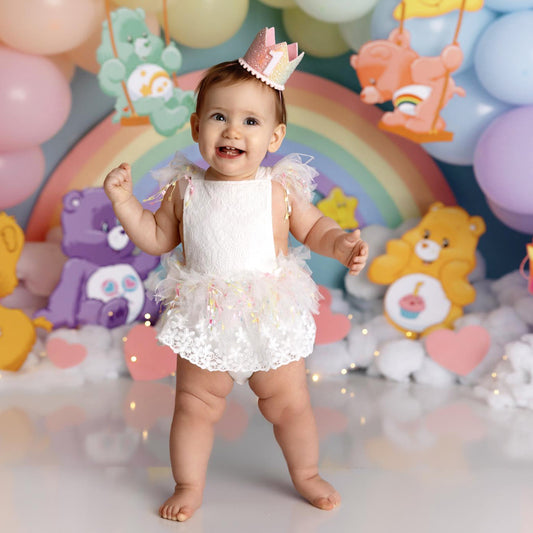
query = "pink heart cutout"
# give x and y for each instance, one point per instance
(147, 360)
(460, 352)
(330, 327)
(63, 354)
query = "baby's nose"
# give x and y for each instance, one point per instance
(232, 131)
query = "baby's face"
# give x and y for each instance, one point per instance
(235, 129)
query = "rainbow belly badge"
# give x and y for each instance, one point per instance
(406, 99)
(416, 301)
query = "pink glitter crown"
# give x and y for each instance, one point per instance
(269, 61)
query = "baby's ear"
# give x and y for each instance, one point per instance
(277, 137)
(195, 126)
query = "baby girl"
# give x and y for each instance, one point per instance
(238, 301)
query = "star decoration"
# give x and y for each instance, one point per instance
(340, 208)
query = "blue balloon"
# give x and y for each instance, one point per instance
(467, 117)
(430, 35)
(507, 6)
(504, 58)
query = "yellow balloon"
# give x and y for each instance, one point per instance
(279, 3)
(320, 39)
(205, 23)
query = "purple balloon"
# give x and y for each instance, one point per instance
(503, 162)
(517, 221)
(21, 172)
(35, 99)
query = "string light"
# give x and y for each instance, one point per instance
(124, 339)
(409, 334)
(353, 365)
(350, 316)
(145, 434)
(343, 391)
(132, 406)
(496, 392)
(110, 313)
(376, 353)
(147, 323)
(363, 421)
(148, 316)
(315, 377)
(364, 331)
(352, 394)
(344, 371)
(505, 357)
(494, 375)
(133, 359)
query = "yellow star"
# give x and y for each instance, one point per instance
(433, 8)
(340, 208)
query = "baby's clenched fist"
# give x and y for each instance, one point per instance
(118, 184)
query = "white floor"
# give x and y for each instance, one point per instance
(405, 458)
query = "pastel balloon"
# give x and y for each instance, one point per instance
(317, 38)
(336, 10)
(467, 117)
(517, 221)
(356, 32)
(84, 55)
(508, 5)
(21, 172)
(503, 160)
(35, 99)
(504, 58)
(430, 35)
(279, 3)
(45, 27)
(204, 23)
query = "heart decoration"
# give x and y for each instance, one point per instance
(64, 354)
(147, 360)
(461, 351)
(330, 327)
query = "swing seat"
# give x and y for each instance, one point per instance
(136, 120)
(427, 137)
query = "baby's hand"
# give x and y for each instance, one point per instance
(118, 184)
(351, 251)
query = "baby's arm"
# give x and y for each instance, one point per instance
(154, 233)
(325, 237)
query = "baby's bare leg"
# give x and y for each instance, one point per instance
(284, 401)
(200, 402)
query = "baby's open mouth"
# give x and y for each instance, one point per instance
(229, 151)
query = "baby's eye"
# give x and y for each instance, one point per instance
(251, 121)
(219, 116)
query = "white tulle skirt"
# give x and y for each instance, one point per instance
(256, 321)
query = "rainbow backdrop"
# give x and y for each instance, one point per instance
(393, 178)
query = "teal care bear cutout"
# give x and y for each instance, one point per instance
(143, 67)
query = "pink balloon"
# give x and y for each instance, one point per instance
(35, 99)
(21, 172)
(45, 26)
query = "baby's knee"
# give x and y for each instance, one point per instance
(203, 405)
(281, 409)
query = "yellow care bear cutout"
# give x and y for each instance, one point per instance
(427, 270)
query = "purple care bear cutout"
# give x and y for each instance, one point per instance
(101, 282)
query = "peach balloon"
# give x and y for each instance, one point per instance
(206, 23)
(149, 6)
(45, 27)
(84, 55)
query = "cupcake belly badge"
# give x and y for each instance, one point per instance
(416, 302)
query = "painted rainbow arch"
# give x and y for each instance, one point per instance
(393, 178)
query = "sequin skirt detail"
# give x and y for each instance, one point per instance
(250, 322)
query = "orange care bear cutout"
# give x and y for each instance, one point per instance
(419, 87)
(427, 270)
(17, 331)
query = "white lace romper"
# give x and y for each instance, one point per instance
(231, 304)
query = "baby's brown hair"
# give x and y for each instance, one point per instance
(232, 72)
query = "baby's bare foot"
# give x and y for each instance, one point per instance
(182, 504)
(318, 492)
